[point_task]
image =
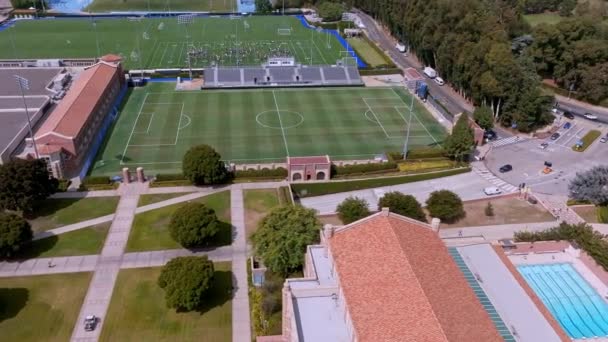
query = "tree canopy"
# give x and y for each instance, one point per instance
(401, 204)
(460, 143)
(193, 224)
(23, 182)
(185, 281)
(352, 209)
(282, 236)
(330, 11)
(15, 232)
(203, 165)
(483, 117)
(591, 185)
(445, 205)
(263, 6)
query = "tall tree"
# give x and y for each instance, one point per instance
(483, 116)
(193, 224)
(282, 237)
(203, 165)
(263, 6)
(23, 182)
(402, 204)
(460, 143)
(590, 185)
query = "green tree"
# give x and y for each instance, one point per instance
(15, 232)
(23, 182)
(401, 204)
(263, 6)
(282, 236)
(330, 11)
(566, 7)
(193, 224)
(445, 205)
(483, 116)
(590, 185)
(186, 281)
(203, 165)
(459, 144)
(352, 209)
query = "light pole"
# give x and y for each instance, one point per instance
(24, 83)
(94, 23)
(409, 124)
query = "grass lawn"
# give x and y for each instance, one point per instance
(84, 241)
(41, 308)
(138, 311)
(162, 5)
(543, 18)
(257, 204)
(367, 52)
(162, 43)
(53, 213)
(506, 211)
(587, 212)
(150, 229)
(158, 125)
(155, 198)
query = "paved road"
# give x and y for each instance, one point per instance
(579, 108)
(469, 186)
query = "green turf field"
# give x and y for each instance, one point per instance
(158, 125)
(163, 43)
(162, 5)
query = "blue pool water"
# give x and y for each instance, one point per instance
(578, 308)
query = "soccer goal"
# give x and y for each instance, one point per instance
(284, 31)
(348, 61)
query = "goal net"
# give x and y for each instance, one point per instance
(284, 31)
(347, 61)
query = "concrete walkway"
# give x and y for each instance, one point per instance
(101, 287)
(557, 206)
(241, 326)
(86, 194)
(494, 232)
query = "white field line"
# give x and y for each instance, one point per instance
(132, 130)
(280, 122)
(285, 90)
(321, 54)
(162, 57)
(179, 59)
(417, 119)
(150, 59)
(179, 122)
(403, 117)
(375, 116)
(150, 123)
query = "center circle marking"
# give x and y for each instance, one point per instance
(289, 119)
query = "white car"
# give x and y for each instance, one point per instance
(439, 81)
(590, 116)
(492, 191)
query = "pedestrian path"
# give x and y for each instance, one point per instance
(508, 141)
(480, 169)
(101, 287)
(557, 206)
(241, 327)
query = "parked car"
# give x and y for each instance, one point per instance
(439, 81)
(567, 125)
(590, 116)
(604, 139)
(554, 136)
(505, 168)
(90, 322)
(543, 145)
(492, 191)
(490, 135)
(569, 115)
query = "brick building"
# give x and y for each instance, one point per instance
(68, 135)
(309, 168)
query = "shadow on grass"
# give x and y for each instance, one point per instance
(13, 300)
(49, 207)
(34, 249)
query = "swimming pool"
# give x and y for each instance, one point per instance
(578, 308)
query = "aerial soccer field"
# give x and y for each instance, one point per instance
(166, 42)
(158, 124)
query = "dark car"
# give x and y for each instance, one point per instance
(90, 322)
(554, 136)
(505, 168)
(567, 125)
(490, 135)
(569, 115)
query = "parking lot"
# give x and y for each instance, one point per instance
(528, 158)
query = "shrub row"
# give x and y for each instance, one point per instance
(589, 240)
(362, 168)
(164, 177)
(588, 139)
(96, 180)
(262, 173)
(428, 164)
(577, 202)
(374, 72)
(317, 189)
(602, 214)
(425, 152)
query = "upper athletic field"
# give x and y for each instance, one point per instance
(165, 42)
(157, 125)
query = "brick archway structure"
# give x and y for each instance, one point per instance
(308, 168)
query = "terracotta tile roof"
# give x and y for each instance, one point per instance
(400, 284)
(70, 115)
(308, 160)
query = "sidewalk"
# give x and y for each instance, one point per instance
(494, 232)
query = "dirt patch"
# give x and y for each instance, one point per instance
(330, 219)
(258, 203)
(587, 212)
(506, 211)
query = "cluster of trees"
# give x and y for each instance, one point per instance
(574, 54)
(469, 43)
(330, 11)
(443, 204)
(591, 186)
(564, 7)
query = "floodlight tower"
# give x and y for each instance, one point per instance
(24, 83)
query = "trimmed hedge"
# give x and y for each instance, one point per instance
(163, 177)
(96, 180)
(374, 72)
(602, 214)
(425, 152)
(428, 164)
(262, 173)
(588, 139)
(576, 202)
(317, 189)
(157, 184)
(362, 168)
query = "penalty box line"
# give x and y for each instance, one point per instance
(416, 116)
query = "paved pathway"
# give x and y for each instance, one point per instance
(241, 326)
(480, 169)
(557, 206)
(494, 232)
(86, 194)
(101, 287)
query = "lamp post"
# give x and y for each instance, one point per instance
(24, 83)
(409, 124)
